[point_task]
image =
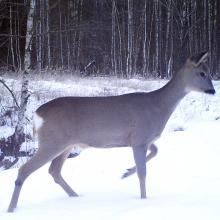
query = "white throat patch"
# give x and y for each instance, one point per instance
(38, 121)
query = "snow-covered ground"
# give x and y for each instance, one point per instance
(182, 181)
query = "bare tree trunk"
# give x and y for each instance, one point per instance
(40, 31)
(189, 25)
(67, 42)
(130, 38)
(170, 63)
(145, 40)
(156, 10)
(149, 45)
(210, 33)
(17, 39)
(61, 37)
(113, 46)
(79, 35)
(12, 39)
(19, 129)
(48, 36)
(215, 38)
(27, 58)
(204, 34)
(196, 40)
(167, 40)
(120, 49)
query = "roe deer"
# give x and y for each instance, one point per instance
(135, 120)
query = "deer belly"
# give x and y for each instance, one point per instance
(103, 138)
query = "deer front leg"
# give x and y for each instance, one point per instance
(153, 152)
(140, 161)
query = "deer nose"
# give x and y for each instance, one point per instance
(210, 91)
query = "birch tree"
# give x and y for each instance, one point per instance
(11, 145)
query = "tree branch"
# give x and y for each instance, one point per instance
(13, 96)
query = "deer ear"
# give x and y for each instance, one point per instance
(199, 58)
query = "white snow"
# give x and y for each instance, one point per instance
(182, 181)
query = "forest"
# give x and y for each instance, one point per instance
(124, 38)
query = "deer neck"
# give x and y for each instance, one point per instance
(170, 95)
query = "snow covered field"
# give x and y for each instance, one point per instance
(182, 181)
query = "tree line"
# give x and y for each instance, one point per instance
(149, 38)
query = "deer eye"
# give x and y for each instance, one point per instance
(202, 74)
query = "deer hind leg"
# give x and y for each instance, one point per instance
(55, 171)
(153, 152)
(38, 160)
(140, 160)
